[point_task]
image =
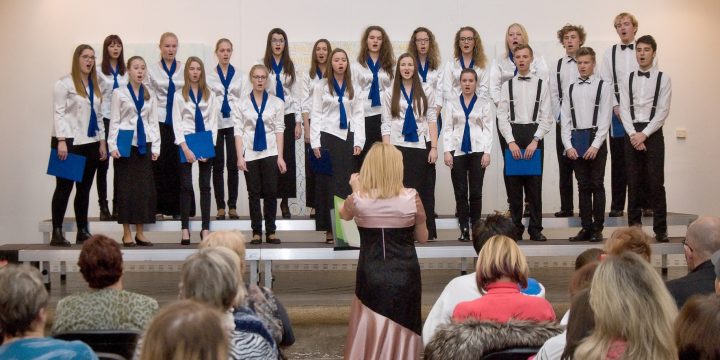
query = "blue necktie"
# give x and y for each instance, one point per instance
(199, 122)
(225, 109)
(340, 91)
(512, 60)
(466, 146)
(462, 63)
(93, 125)
(423, 70)
(318, 73)
(139, 103)
(259, 142)
(410, 124)
(115, 72)
(277, 69)
(374, 95)
(171, 91)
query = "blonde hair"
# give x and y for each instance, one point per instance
(186, 330)
(77, 76)
(526, 38)
(202, 84)
(629, 239)
(620, 16)
(213, 276)
(501, 257)
(257, 67)
(223, 40)
(233, 240)
(166, 35)
(478, 51)
(631, 303)
(381, 175)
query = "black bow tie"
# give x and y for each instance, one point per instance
(623, 47)
(571, 60)
(645, 74)
(584, 81)
(523, 78)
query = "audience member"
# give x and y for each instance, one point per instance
(629, 239)
(697, 327)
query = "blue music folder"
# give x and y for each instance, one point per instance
(323, 165)
(201, 144)
(71, 168)
(580, 140)
(617, 127)
(522, 167)
(124, 142)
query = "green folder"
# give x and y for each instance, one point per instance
(346, 232)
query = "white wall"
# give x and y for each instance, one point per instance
(38, 37)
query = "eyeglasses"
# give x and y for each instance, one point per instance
(422, 41)
(467, 39)
(259, 77)
(277, 41)
(87, 57)
(684, 242)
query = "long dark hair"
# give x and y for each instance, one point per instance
(420, 102)
(433, 56)
(580, 324)
(347, 78)
(314, 61)
(105, 66)
(387, 58)
(288, 65)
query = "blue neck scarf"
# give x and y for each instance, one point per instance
(423, 70)
(374, 95)
(115, 72)
(462, 63)
(199, 122)
(410, 124)
(277, 69)
(466, 146)
(259, 141)
(225, 109)
(93, 124)
(171, 91)
(512, 60)
(139, 103)
(340, 91)
(318, 73)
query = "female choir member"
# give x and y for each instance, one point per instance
(227, 85)
(469, 54)
(373, 75)
(133, 109)
(409, 122)
(282, 84)
(76, 130)
(164, 77)
(195, 109)
(467, 137)
(111, 76)
(338, 126)
(259, 143)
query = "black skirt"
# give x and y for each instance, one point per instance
(135, 193)
(287, 182)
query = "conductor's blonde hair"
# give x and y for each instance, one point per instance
(381, 175)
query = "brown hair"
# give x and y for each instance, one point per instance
(620, 16)
(220, 41)
(433, 56)
(420, 102)
(105, 65)
(167, 34)
(501, 257)
(100, 262)
(588, 256)
(314, 61)
(478, 51)
(386, 58)
(288, 65)
(76, 75)
(582, 278)
(580, 324)
(570, 28)
(696, 328)
(202, 83)
(524, 46)
(347, 78)
(146, 93)
(585, 51)
(629, 239)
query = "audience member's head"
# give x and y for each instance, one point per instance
(697, 327)
(494, 224)
(580, 324)
(23, 300)
(501, 258)
(100, 262)
(631, 304)
(212, 276)
(582, 278)
(716, 262)
(186, 330)
(702, 240)
(233, 240)
(629, 239)
(588, 256)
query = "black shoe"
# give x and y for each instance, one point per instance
(256, 239)
(583, 235)
(176, 217)
(285, 209)
(616, 213)
(104, 211)
(662, 237)
(648, 213)
(596, 236)
(82, 235)
(58, 239)
(129, 244)
(464, 235)
(184, 241)
(272, 239)
(538, 237)
(142, 242)
(564, 213)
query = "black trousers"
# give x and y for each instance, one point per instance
(187, 194)
(590, 176)
(344, 164)
(287, 182)
(167, 174)
(618, 175)
(648, 165)
(225, 142)
(565, 178)
(503, 146)
(309, 178)
(63, 187)
(467, 177)
(262, 183)
(372, 134)
(102, 170)
(417, 174)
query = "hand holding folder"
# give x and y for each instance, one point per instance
(201, 144)
(124, 142)
(323, 165)
(522, 167)
(71, 168)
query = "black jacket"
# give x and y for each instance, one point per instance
(699, 281)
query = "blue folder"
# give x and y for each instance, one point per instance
(71, 168)
(201, 144)
(124, 142)
(580, 140)
(617, 127)
(522, 167)
(323, 165)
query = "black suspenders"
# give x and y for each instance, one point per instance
(655, 99)
(595, 110)
(559, 65)
(615, 83)
(512, 101)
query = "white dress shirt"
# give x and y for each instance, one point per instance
(362, 80)
(106, 87)
(481, 123)
(568, 74)
(238, 88)
(157, 81)
(273, 119)
(124, 116)
(451, 82)
(184, 115)
(71, 113)
(393, 126)
(325, 115)
(524, 95)
(308, 85)
(433, 84)
(502, 70)
(643, 96)
(583, 98)
(292, 100)
(625, 63)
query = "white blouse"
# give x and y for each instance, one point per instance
(292, 100)
(451, 82)
(481, 123)
(362, 79)
(273, 119)
(157, 81)
(238, 88)
(393, 126)
(106, 87)
(184, 115)
(71, 113)
(325, 115)
(124, 116)
(308, 84)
